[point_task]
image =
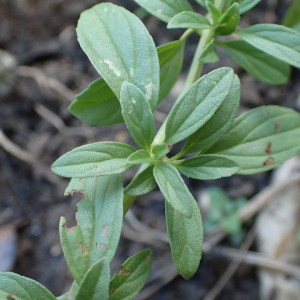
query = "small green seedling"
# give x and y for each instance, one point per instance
(135, 77)
(223, 214)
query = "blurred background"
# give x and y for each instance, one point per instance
(251, 249)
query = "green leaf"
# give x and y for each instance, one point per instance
(198, 104)
(218, 125)
(132, 277)
(137, 115)
(14, 286)
(209, 54)
(207, 167)
(170, 59)
(229, 21)
(232, 224)
(276, 40)
(259, 64)
(173, 188)
(203, 2)
(103, 158)
(261, 139)
(160, 150)
(99, 222)
(142, 183)
(116, 42)
(247, 5)
(186, 238)
(95, 284)
(292, 16)
(165, 9)
(215, 13)
(188, 19)
(97, 105)
(140, 157)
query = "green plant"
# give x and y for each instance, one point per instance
(135, 78)
(222, 213)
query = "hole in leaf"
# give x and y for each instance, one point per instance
(104, 230)
(101, 246)
(11, 297)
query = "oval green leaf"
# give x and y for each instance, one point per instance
(218, 125)
(209, 54)
(171, 60)
(103, 158)
(137, 115)
(276, 40)
(140, 157)
(186, 238)
(143, 183)
(198, 104)
(173, 188)
(189, 19)
(132, 277)
(99, 222)
(14, 286)
(229, 21)
(259, 64)
(97, 105)
(292, 16)
(165, 9)
(247, 5)
(261, 139)
(116, 42)
(95, 284)
(207, 167)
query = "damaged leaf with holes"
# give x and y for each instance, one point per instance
(99, 222)
(133, 275)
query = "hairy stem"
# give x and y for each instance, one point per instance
(195, 69)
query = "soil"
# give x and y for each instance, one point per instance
(40, 34)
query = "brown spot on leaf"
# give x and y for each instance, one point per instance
(264, 112)
(148, 259)
(82, 248)
(124, 271)
(100, 246)
(112, 290)
(170, 147)
(104, 230)
(269, 148)
(11, 297)
(81, 180)
(269, 162)
(276, 126)
(97, 169)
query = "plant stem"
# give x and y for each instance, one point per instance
(193, 76)
(195, 69)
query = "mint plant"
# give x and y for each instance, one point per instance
(135, 77)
